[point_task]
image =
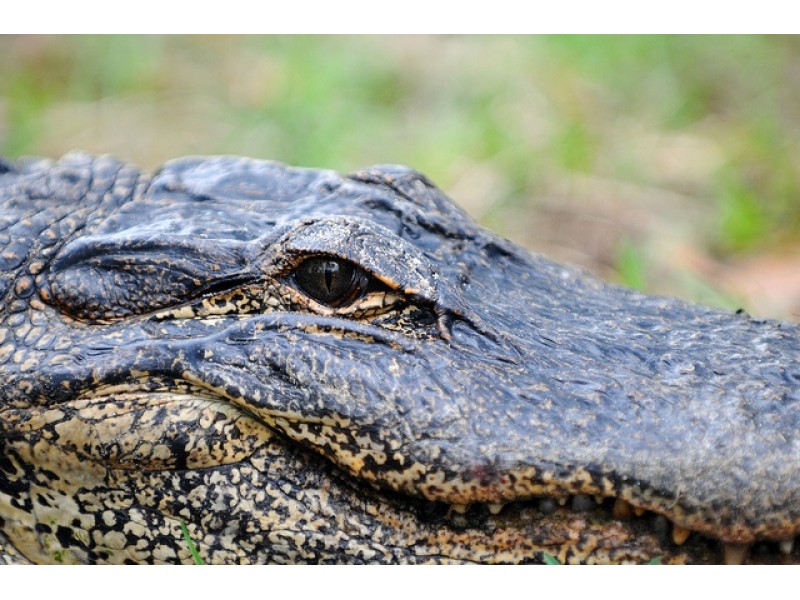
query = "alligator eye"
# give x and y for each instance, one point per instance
(331, 280)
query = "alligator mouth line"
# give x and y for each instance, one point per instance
(675, 541)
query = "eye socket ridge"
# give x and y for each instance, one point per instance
(331, 280)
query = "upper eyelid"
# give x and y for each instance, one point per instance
(384, 255)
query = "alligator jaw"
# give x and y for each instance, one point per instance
(485, 513)
(378, 525)
(586, 531)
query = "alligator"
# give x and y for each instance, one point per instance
(246, 362)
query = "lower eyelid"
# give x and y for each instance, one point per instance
(373, 302)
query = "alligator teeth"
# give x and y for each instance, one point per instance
(496, 507)
(582, 503)
(734, 554)
(680, 535)
(621, 510)
(660, 525)
(786, 546)
(599, 499)
(460, 508)
(639, 511)
(459, 521)
(562, 501)
(547, 505)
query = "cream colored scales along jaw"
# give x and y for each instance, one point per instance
(308, 367)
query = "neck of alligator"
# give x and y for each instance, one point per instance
(306, 367)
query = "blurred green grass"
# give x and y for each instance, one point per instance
(619, 153)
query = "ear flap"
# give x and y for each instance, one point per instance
(114, 276)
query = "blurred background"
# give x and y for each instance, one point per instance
(669, 164)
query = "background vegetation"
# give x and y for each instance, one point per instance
(666, 163)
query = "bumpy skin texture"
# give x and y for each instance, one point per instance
(160, 363)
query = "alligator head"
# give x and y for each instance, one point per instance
(303, 367)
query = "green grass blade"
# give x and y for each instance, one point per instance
(192, 548)
(549, 559)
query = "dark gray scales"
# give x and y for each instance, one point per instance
(310, 367)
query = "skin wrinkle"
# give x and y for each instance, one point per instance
(498, 376)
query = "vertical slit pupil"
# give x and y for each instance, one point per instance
(331, 269)
(327, 279)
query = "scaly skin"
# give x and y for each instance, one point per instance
(163, 361)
